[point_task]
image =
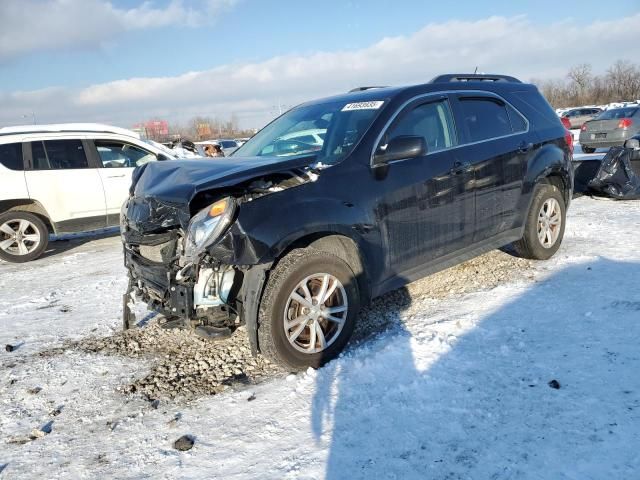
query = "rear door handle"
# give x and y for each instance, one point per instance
(460, 167)
(524, 147)
(115, 176)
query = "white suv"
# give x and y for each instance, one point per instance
(63, 178)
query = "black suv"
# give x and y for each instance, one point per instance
(343, 199)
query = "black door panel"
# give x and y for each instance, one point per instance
(497, 146)
(426, 209)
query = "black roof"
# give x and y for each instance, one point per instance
(451, 81)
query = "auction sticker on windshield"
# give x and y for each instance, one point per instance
(363, 106)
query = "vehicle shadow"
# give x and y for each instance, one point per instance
(64, 243)
(425, 401)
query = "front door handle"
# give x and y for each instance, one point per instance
(115, 176)
(524, 147)
(460, 167)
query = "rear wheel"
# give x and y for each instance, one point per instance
(586, 149)
(544, 225)
(308, 309)
(23, 236)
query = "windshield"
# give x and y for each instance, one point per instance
(617, 113)
(330, 130)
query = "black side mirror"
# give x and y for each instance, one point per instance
(162, 158)
(633, 143)
(400, 148)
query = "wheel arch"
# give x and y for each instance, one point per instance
(343, 247)
(552, 166)
(28, 205)
(335, 243)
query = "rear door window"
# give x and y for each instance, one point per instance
(11, 156)
(122, 155)
(484, 118)
(59, 155)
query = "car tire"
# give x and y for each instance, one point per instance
(586, 149)
(301, 344)
(29, 234)
(544, 224)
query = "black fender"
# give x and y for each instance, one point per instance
(549, 160)
(252, 288)
(257, 255)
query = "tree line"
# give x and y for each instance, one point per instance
(201, 128)
(620, 83)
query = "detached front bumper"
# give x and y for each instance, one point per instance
(158, 288)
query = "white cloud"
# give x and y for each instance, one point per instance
(36, 25)
(513, 46)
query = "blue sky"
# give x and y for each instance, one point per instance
(255, 30)
(78, 44)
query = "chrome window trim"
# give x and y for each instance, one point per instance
(445, 94)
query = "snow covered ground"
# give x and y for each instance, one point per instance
(457, 388)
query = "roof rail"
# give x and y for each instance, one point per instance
(473, 77)
(67, 127)
(362, 89)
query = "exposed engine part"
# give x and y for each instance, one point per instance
(213, 287)
(277, 183)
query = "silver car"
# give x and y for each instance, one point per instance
(577, 116)
(610, 129)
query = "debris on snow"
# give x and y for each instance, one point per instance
(184, 443)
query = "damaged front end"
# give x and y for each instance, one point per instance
(192, 260)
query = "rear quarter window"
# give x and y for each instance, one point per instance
(484, 118)
(536, 108)
(11, 156)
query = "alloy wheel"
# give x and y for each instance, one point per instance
(549, 222)
(315, 313)
(19, 237)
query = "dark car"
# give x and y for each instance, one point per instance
(290, 241)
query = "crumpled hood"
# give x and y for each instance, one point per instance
(177, 181)
(162, 191)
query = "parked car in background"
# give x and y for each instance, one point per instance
(577, 116)
(610, 129)
(291, 238)
(311, 136)
(241, 141)
(63, 178)
(228, 146)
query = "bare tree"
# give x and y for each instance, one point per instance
(580, 79)
(624, 80)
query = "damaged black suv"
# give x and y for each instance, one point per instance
(343, 199)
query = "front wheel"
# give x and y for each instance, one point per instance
(308, 309)
(544, 225)
(23, 236)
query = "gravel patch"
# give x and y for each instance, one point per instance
(184, 365)
(181, 363)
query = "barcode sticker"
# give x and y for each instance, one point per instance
(363, 106)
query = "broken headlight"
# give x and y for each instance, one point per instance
(207, 226)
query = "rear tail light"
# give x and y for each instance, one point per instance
(566, 122)
(583, 128)
(569, 139)
(625, 123)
